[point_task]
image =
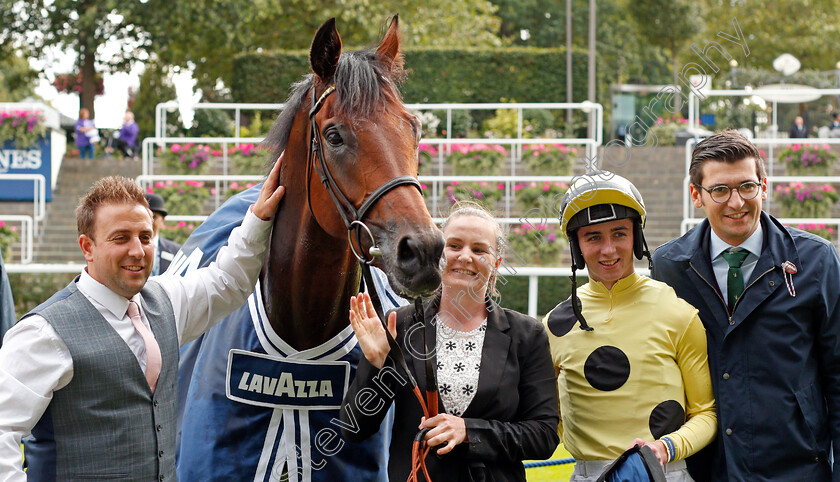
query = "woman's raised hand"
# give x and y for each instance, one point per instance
(369, 331)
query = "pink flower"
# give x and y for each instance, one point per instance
(500, 186)
(181, 224)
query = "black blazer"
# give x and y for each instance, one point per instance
(513, 416)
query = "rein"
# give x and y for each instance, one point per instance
(354, 222)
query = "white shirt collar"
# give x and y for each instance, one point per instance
(92, 289)
(753, 244)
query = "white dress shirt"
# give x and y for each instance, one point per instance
(35, 362)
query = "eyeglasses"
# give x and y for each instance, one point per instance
(721, 193)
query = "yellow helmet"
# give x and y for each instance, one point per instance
(605, 191)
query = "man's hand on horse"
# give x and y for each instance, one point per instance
(271, 193)
(369, 331)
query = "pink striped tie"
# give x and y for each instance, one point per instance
(153, 358)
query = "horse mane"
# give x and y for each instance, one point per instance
(365, 83)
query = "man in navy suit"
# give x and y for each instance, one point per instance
(164, 249)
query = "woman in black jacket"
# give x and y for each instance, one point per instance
(498, 393)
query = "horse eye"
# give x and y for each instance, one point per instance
(334, 138)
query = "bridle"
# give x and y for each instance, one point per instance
(354, 222)
(353, 218)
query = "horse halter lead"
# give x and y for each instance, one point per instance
(354, 221)
(353, 218)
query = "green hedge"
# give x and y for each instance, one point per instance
(551, 290)
(436, 75)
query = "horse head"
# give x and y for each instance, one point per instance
(361, 168)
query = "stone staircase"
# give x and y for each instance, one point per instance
(58, 241)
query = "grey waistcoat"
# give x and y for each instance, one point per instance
(106, 423)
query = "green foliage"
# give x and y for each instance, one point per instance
(17, 78)
(179, 232)
(549, 160)
(8, 236)
(528, 194)
(79, 26)
(822, 230)
(484, 193)
(806, 30)
(807, 159)
(504, 123)
(210, 123)
(31, 289)
(806, 200)
(476, 159)
(551, 291)
(537, 245)
(248, 159)
(24, 127)
(186, 198)
(437, 75)
(669, 24)
(209, 34)
(155, 88)
(666, 129)
(185, 158)
(462, 123)
(256, 128)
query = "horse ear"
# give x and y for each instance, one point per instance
(325, 50)
(390, 46)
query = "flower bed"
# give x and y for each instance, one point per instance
(538, 245)
(179, 232)
(426, 154)
(808, 159)
(824, 231)
(477, 159)
(486, 194)
(806, 200)
(24, 127)
(234, 188)
(186, 198)
(528, 194)
(8, 236)
(186, 158)
(246, 158)
(549, 159)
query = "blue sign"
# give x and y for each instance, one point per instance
(36, 159)
(268, 381)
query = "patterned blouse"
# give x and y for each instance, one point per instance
(458, 365)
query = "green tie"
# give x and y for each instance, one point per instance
(734, 278)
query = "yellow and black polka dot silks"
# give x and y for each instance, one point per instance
(642, 372)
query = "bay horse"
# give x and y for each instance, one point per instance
(260, 392)
(368, 139)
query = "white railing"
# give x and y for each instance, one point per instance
(593, 111)
(689, 220)
(533, 274)
(27, 234)
(39, 212)
(39, 196)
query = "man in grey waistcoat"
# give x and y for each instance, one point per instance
(92, 372)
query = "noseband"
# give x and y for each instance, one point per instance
(353, 218)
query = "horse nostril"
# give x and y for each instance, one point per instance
(414, 255)
(407, 252)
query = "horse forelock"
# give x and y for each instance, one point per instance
(365, 84)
